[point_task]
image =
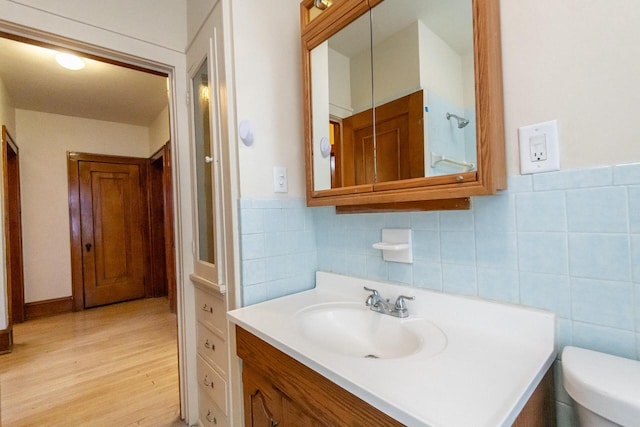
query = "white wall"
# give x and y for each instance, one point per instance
(7, 113)
(45, 140)
(159, 131)
(339, 76)
(321, 88)
(468, 81)
(197, 12)
(161, 22)
(440, 67)
(268, 85)
(576, 62)
(396, 65)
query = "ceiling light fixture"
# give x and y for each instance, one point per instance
(69, 61)
(322, 4)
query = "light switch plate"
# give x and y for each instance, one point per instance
(280, 182)
(539, 151)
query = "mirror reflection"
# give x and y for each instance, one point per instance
(393, 95)
(203, 156)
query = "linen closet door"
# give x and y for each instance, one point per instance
(113, 252)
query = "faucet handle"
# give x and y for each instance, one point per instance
(375, 292)
(373, 298)
(400, 302)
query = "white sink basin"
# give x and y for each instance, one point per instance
(352, 329)
(451, 352)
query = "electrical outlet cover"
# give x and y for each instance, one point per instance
(539, 150)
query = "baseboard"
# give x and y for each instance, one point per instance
(6, 340)
(33, 310)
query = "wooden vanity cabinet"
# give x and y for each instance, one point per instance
(280, 391)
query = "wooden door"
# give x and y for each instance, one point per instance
(162, 246)
(364, 156)
(113, 241)
(156, 229)
(399, 144)
(13, 228)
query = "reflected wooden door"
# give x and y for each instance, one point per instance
(112, 221)
(399, 144)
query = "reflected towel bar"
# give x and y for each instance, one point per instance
(438, 158)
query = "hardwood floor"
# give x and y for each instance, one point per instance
(109, 366)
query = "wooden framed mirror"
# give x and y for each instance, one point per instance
(403, 102)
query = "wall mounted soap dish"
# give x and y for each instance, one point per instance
(396, 245)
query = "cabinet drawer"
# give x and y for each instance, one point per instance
(210, 310)
(212, 384)
(212, 348)
(209, 413)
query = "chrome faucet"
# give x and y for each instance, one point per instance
(376, 303)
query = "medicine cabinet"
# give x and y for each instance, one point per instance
(403, 103)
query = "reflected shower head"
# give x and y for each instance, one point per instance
(462, 122)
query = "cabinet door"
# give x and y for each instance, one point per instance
(293, 415)
(262, 402)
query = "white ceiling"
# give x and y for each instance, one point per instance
(100, 91)
(451, 20)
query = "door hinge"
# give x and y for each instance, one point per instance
(188, 98)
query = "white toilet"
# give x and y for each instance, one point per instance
(605, 388)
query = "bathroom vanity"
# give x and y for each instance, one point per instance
(322, 357)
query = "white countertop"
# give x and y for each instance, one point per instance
(494, 356)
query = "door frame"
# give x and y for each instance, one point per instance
(13, 239)
(14, 255)
(75, 223)
(32, 24)
(164, 156)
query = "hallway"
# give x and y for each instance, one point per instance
(110, 366)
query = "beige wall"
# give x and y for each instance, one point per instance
(44, 142)
(576, 62)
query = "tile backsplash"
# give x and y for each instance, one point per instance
(565, 241)
(278, 248)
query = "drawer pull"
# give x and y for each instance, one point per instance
(211, 346)
(207, 382)
(210, 418)
(207, 308)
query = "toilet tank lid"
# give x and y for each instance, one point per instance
(605, 384)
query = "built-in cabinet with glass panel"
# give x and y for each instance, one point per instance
(203, 163)
(206, 244)
(403, 102)
(212, 277)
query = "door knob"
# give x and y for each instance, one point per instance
(88, 247)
